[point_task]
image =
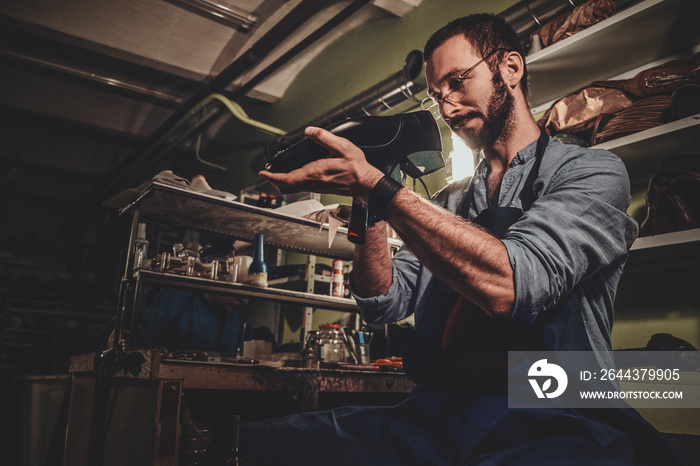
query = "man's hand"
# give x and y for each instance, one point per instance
(345, 171)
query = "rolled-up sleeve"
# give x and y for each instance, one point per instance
(576, 228)
(399, 301)
(408, 291)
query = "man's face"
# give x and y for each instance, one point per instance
(484, 115)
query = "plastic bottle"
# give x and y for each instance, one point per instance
(257, 273)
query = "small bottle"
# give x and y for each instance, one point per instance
(257, 273)
(311, 353)
(362, 348)
(140, 247)
(337, 280)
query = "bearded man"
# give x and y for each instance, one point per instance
(526, 255)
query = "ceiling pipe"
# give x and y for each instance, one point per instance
(155, 96)
(130, 167)
(280, 31)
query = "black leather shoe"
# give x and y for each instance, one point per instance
(409, 139)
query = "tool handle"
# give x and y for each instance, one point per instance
(357, 230)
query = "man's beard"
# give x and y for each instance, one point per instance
(498, 121)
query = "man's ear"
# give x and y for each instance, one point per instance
(512, 69)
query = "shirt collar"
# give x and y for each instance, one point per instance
(525, 154)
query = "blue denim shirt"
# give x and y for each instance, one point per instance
(567, 251)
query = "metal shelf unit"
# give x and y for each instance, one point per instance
(178, 205)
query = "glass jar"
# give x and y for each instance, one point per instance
(330, 342)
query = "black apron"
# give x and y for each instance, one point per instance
(455, 341)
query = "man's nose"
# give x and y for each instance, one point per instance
(447, 110)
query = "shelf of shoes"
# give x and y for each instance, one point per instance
(629, 39)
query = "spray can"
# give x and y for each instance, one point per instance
(337, 280)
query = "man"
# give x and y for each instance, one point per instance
(537, 271)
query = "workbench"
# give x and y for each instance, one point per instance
(125, 406)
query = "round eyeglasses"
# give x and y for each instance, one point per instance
(452, 88)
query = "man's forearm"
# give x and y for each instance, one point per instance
(372, 268)
(460, 253)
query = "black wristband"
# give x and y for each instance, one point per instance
(382, 196)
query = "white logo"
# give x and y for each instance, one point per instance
(547, 372)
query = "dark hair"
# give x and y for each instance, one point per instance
(485, 32)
